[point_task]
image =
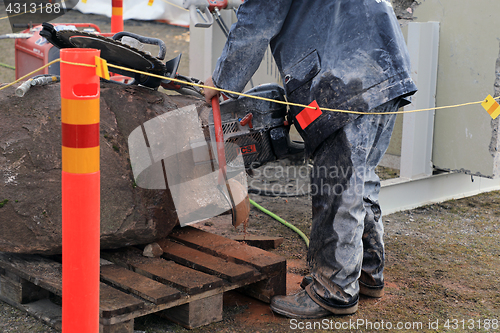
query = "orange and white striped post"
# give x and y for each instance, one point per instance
(116, 16)
(80, 93)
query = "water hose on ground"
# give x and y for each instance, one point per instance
(267, 193)
(276, 217)
(7, 66)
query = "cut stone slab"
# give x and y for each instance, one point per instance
(30, 169)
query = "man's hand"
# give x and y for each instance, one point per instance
(209, 93)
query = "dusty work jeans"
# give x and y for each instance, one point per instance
(347, 228)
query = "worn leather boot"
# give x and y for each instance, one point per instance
(369, 287)
(335, 307)
(299, 305)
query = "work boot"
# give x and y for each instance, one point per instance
(299, 305)
(369, 287)
(364, 288)
(371, 291)
(334, 306)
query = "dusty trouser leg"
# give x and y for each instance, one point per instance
(343, 166)
(373, 244)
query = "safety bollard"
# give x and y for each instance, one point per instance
(80, 93)
(116, 16)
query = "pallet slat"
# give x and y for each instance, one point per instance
(183, 278)
(38, 270)
(47, 274)
(139, 285)
(228, 249)
(204, 262)
(113, 302)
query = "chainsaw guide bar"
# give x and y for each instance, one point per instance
(112, 51)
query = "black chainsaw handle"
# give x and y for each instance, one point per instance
(145, 40)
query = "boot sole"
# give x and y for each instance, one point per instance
(370, 292)
(338, 311)
(294, 315)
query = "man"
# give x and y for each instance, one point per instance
(344, 54)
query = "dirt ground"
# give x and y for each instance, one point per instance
(442, 261)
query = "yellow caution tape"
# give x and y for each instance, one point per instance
(486, 102)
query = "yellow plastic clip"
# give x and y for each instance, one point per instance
(491, 106)
(101, 68)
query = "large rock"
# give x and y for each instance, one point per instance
(30, 169)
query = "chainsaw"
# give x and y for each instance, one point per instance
(255, 131)
(124, 49)
(259, 128)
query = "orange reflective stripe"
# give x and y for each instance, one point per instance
(117, 11)
(493, 108)
(80, 160)
(496, 112)
(80, 111)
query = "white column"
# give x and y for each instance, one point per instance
(418, 128)
(205, 46)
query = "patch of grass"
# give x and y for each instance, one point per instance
(3, 203)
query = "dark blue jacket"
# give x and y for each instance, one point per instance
(345, 54)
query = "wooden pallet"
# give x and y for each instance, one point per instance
(185, 285)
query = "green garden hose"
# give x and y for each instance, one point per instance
(7, 66)
(276, 217)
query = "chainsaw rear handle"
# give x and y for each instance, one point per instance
(145, 40)
(200, 10)
(199, 13)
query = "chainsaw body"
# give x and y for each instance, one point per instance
(247, 133)
(258, 129)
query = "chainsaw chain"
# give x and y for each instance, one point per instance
(158, 67)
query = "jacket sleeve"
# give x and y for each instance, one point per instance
(258, 22)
